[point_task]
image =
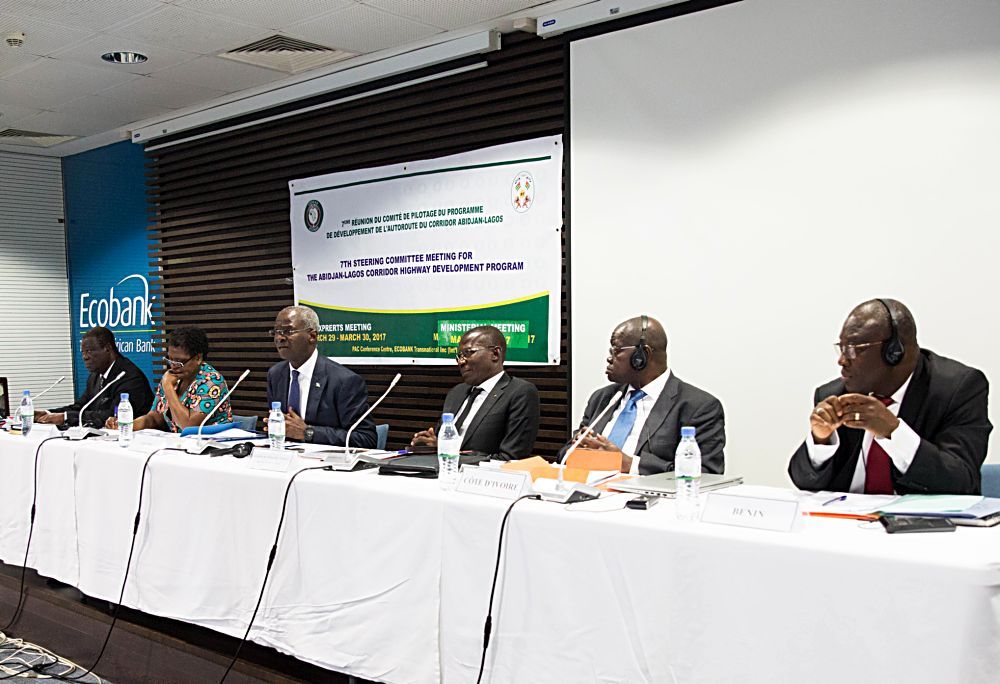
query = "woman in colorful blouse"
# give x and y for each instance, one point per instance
(189, 389)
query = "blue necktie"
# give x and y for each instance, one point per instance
(294, 398)
(626, 419)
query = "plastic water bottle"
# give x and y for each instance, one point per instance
(124, 421)
(449, 446)
(276, 426)
(27, 413)
(687, 465)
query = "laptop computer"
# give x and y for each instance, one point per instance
(665, 484)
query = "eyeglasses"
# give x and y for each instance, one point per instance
(176, 364)
(850, 351)
(284, 332)
(466, 353)
(616, 350)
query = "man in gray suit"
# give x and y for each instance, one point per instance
(646, 426)
(496, 413)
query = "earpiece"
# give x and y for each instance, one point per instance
(639, 357)
(892, 348)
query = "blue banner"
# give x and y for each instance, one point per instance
(107, 252)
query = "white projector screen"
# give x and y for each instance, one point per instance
(749, 173)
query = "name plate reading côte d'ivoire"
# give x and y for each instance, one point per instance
(502, 484)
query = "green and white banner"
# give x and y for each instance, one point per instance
(399, 261)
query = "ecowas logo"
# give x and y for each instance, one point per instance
(522, 192)
(313, 215)
(114, 311)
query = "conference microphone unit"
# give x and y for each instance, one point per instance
(42, 393)
(356, 459)
(80, 432)
(347, 440)
(198, 447)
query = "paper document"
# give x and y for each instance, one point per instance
(838, 502)
(931, 504)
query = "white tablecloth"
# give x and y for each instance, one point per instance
(388, 578)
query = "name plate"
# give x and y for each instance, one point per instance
(264, 458)
(502, 484)
(778, 515)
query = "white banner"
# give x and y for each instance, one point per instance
(399, 261)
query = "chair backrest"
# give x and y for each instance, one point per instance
(382, 432)
(991, 480)
(248, 423)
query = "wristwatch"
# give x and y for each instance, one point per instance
(308, 436)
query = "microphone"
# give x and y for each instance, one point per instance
(198, 447)
(590, 428)
(80, 432)
(61, 378)
(347, 440)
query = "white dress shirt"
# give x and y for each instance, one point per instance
(643, 408)
(305, 381)
(901, 445)
(477, 403)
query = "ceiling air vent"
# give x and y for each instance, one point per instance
(12, 136)
(289, 55)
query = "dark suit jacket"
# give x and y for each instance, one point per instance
(945, 404)
(680, 404)
(506, 425)
(134, 382)
(337, 398)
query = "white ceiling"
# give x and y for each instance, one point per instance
(56, 83)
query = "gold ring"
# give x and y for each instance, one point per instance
(857, 416)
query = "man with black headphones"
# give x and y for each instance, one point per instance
(900, 419)
(646, 426)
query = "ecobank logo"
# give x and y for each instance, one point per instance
(131, 308)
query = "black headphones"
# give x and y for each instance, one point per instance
(639, 357)
(892, 349)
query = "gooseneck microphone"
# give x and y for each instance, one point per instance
(590, 428)
(198, 444)
(80, 432)
(347, 440)
(36, 397)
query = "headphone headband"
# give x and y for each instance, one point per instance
(640, 358)
(892, 349)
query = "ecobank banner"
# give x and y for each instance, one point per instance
(399, 261)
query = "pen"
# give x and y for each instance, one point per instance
(843, 516)
(835, 499)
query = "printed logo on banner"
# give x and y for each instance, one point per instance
(125, 311)
(314, 215)
(522, 192)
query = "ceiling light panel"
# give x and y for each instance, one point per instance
(452, 14)
(361, 28)
(91, 14)
(189, 31)
(89, 53)
(271, 15)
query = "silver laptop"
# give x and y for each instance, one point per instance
(665, 484)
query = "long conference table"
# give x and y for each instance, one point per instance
(388, 578)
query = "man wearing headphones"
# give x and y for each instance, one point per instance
(646, 426)
(900, 419)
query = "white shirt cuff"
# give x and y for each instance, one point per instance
(901, 446)
(634, 468)
(821, 453)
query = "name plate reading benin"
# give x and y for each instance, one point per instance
(502, 484)
(778, 515)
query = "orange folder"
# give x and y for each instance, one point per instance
(539, 467)
(595, 459)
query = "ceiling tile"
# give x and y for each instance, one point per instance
(161, 93)
(271, 15)
(361, 29)
(92, 14)
(11, 115)
(451, 14)
(220, 74)
(10, 62)
(196, 32)
(88, 115)
(34, 96)
(40, 37)
(73, 79)
(89, 53)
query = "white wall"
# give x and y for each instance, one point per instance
(35, 346)
(749, 173)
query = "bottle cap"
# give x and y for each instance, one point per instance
(275, 405)
(26, 393)
(687, 431)
(124, 396)
(446, 417)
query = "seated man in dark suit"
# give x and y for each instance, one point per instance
(496, 413)
(321, 399)
(646, 427)
(101, 357)
(899, 419)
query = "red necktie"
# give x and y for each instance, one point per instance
(878, 468)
